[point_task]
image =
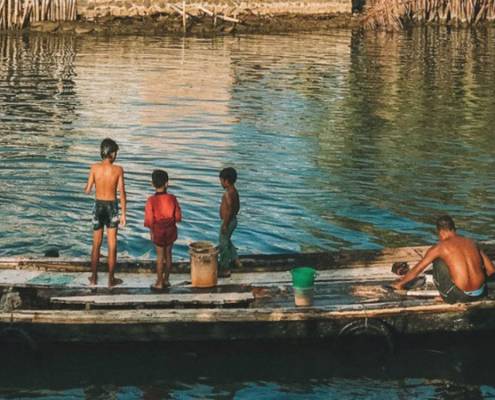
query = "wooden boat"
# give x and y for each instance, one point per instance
(50, 301)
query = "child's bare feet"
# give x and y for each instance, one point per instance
(438, 298)
(238, 263)
(93, 281)
(114, 282)
(224, 274)
(165, 284)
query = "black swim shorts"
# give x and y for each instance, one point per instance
(105, 213)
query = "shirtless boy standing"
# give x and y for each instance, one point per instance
(106, 177)
(228, 213)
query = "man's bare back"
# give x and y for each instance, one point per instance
(464, 260)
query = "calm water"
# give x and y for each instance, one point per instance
(341, 140)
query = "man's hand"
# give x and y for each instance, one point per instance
(397, 285)
(123, 221)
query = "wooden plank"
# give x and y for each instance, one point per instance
(157, 299)
(157, 316)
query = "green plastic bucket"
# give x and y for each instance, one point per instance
(303, 277)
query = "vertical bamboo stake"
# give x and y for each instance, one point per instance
(214, 17)
(2, 7)
(24, 15)
(184, 15)
(9, 14)
(14, 24)
(43, 9)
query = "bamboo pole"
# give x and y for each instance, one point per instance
(184, 24)
(2, 8)
(26, 11)
(9, 14)
(213, 14)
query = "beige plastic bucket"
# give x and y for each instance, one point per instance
(303, 297)
(204, 264)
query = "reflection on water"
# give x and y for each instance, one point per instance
(341, 140)
(461, 370)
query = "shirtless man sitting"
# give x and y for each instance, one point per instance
(107, 178)
(460, 267)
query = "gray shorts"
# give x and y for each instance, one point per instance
(448, 290)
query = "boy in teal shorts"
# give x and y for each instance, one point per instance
(227, 254)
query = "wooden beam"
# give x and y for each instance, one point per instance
(157, 299)
(336, 312)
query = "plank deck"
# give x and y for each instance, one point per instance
(80, 280)
(157, 299)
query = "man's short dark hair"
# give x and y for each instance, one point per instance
(229, 174)
(107, 147)
(159, 178)
(445, 223)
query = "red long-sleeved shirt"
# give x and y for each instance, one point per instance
(161, 213)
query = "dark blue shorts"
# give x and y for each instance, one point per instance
(105, 213)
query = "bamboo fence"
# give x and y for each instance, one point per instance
(15, 14)
(393, 14)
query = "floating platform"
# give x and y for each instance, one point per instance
(50, 300)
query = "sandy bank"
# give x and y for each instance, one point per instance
(199, 26)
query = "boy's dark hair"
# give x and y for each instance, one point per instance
(159, 178)
(445, 223)
(107, 147)
(229, 174)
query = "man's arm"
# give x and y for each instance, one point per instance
(91, 181)
(123, 198)
(490, 269)
(429, 257)
(228, 212)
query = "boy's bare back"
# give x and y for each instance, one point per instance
(106, 177)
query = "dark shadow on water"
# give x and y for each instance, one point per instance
(440, 368)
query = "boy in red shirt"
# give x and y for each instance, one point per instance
(161, 214)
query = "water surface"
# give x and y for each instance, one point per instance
(341, 140)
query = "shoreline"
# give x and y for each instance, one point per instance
(172, 25)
